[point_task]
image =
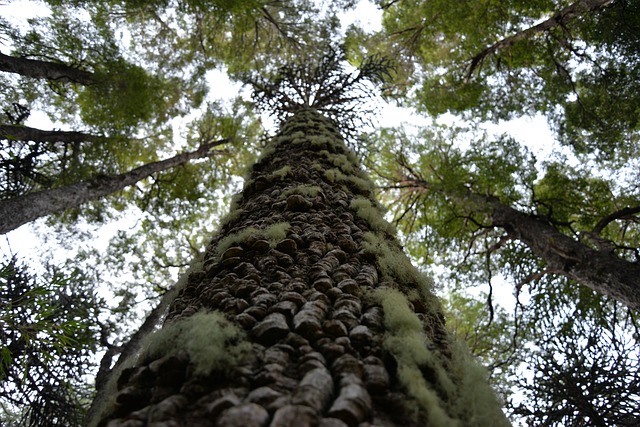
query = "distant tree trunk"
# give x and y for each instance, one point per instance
(45, 70)
(304, 312)
(25, 133)
(597, 269)
(20, 210)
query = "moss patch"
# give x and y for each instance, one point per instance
(274, 233)
(212, 342)
(361, 184)
(372, 214)
(395, 265)
(304, 190)
(476, 401)
(408, 344)
(280, 173)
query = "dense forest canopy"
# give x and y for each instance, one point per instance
(130, 91)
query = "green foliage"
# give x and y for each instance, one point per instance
(441, 186)
(580, 71)
(50, 330)
(124, 96)
(487, 335)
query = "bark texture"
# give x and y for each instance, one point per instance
(25, 133)
(304, 312)
(597, 269)
(21, 210)
(45, 70)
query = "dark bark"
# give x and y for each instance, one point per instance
(45, 70)
(20, 210)
(561, 18)
(599, 270)
(25, 133)
(325, 322)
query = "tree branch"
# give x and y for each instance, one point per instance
(25, 133)
(622, 213)
(45, 70)
(561, 18)
(20, 210)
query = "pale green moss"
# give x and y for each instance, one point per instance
(304, 189)
(340, 161)
(320, 140)
(361, 184)
(235, 238)
(280, 173)
(275, 233)
(394, 264)
(267, 151)
(372, 214)
(476, 401)
(407, 342)
(231, 217)
(332, 175)
(351, 156)
(335, 175)
(212, 342)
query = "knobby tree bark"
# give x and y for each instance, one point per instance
(21, 210)
(304, 311)
(45, 70)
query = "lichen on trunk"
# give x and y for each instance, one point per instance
(316, 314)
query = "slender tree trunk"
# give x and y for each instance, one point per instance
(305, 312)
(20, 210)
(25, 133)
(45, 70)
(597, 269)
(560, 18)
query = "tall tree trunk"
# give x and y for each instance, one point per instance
(20, 210)
(305, 311)
(45, 70)
(559, 19)
(25, 133)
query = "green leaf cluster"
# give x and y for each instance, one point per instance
(50, 329)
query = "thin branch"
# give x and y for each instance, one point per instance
(620, 214)
(561, 18)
